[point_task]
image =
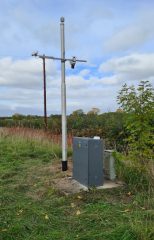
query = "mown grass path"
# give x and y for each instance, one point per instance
(32, 209)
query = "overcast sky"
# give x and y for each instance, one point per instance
(116, 37)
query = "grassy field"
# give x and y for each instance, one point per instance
(32, 209)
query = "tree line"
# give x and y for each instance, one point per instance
(108, 126)
(130, 128)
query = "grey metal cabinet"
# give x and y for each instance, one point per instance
(88, 161)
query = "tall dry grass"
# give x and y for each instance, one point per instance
(37, 138)
(35, 134)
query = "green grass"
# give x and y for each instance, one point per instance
(31, 209)
(137, 176)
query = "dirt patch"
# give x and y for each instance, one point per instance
(68, 185)
(52, 177)
(65, 183)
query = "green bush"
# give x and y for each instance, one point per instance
(135, 176)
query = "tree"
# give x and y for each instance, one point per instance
(94, 111)
(139, 106)
(17, 116)
(119, 110)
(78, 112)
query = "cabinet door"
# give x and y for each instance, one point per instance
(80, 160)
(95, 177)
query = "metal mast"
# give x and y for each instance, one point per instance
(72, 61)
(45, 101)
(63, 97)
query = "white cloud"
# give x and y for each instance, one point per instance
(112, 80)
(24, 73)
(84, 72)
(21, 84)
(133, 35)
(21, 88)
(76, 82)
(131, 67)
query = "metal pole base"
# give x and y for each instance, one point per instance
(64, 165)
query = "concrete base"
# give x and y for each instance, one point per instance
(111, 184)
(107, 185)
(65, 183)
(77, 187)
(68, 185)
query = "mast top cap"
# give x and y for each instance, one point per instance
(62, 19)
